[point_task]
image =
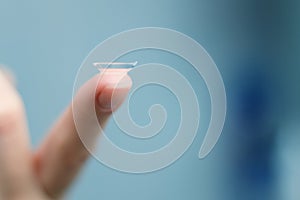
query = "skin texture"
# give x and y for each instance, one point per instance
(50, 170)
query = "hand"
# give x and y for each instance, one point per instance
(47, 172)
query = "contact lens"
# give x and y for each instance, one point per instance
(117, 65)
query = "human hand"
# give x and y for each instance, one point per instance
(46, 173)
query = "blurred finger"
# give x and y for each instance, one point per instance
(15, 169)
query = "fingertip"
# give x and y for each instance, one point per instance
(8, 74)
(116, 85)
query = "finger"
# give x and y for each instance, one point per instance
(63, 153)
(8, 74)
(15, 169)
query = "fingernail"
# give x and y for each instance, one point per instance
(114, 92)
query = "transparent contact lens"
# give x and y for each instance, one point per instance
(115, 65)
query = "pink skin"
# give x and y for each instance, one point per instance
(49, 171)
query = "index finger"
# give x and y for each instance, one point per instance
(62, 154)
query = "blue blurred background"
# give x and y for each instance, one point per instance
(256, 46)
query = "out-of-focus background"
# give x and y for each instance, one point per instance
(256, 46)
